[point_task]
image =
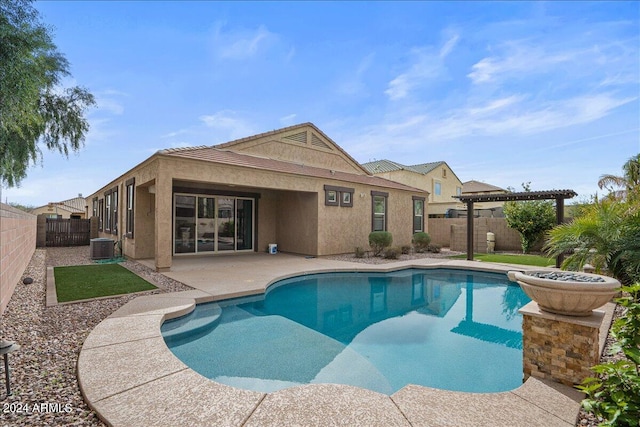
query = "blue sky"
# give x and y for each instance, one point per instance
(504, 92)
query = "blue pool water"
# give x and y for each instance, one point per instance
(448, 329)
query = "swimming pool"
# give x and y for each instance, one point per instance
(448, 329)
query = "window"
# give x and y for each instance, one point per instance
(100, 214)
(111, 211)
(130, 189)
(437, 188)
(444, 173)
(379, 211)
(107, 211)
(346, 199)
(458, 191)
(338, 196)
(114, 214)
(418, 214)
(94, 209)
(331, 198)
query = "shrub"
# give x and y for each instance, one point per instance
(391, 253)
(359, 252)
(421, 241)
(405, 249)
(433, 248)
(615, 395)
(379, 240)
(531, 218)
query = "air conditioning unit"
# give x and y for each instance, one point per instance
(101, 248)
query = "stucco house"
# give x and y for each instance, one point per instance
(437, 178)
(294, 187)
(477, 188)
(71, 208)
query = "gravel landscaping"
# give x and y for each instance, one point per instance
(43, 372)
(44, 385)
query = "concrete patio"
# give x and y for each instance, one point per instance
(129, 376)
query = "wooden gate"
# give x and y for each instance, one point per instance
(68, 232)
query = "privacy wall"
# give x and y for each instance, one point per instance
(17, 245)
(452, 233)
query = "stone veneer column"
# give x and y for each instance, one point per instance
(559, 348)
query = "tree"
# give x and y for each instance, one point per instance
(628, 183)
(530, 218)
(26, 208)
(34, 109)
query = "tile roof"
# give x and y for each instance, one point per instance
(217, 155)
(384, 165)
(425, 168)
(75, 205)
(480, 187)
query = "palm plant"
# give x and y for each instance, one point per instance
(624, 262)
(628, 185)
(590, 238)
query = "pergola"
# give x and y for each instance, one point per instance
(558, 195)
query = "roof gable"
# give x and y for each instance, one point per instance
(303, 143)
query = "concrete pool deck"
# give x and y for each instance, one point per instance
(130, 378)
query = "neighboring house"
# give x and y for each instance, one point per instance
(488, 209)
(72, 208)
(293, 187)
(437, 178)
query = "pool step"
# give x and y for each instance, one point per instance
(200, 320)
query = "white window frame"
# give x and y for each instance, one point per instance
(437, 188)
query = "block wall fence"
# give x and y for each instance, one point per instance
(452, 233)
(17, 245)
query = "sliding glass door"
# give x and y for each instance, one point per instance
(212, 224)
(206, 224)
(244, 224)
(184, 240)
(226, 224)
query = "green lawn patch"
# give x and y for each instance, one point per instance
(522, 259)
(92, 281)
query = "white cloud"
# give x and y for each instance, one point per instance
(589, 53)
(407, 123)
(427, 66)
(521, 58)
(241, 43)
(110, 101)
(174, 134)
(494, 118)
(288, 120)
(229, 123)
(495, 105)
(353, 84)
(446, 49)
